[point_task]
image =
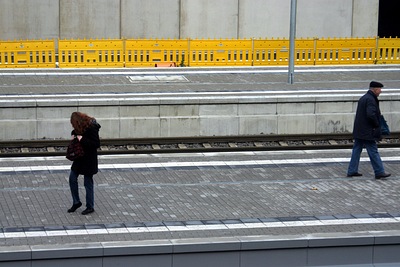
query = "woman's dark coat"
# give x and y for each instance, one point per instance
(88, 164)
(366, 123)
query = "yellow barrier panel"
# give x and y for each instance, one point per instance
(388, 51)
(345, 51)
(149, 53)
(91, 53)
(276, 52)
(305, 51)
(271, 52)
(27, 54)
(221, 52)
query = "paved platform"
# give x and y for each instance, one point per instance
(175, 196)
(25, 82)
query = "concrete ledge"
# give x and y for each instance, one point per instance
(191, 114)
(63, 251)
(206, 245)
(143, 247)
(17, 253)
(347, 249)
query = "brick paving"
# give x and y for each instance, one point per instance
(156, 197)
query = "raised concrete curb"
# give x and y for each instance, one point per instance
(339, 249)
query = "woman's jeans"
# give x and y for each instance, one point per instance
(373, 154)
(88, 182)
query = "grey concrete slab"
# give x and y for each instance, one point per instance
(15, 253)
(281, 242)
(206, 245)
(142, 247)
(65, 251)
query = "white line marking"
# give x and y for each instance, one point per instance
(222, 226)
(192, 164)
(275, 93)
(253, 70)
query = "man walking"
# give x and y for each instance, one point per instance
(367, 131)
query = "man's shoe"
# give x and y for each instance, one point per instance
(382, 176)
(75, 207)
(87, 211)
(354, 174)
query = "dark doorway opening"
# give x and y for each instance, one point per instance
(389, 19)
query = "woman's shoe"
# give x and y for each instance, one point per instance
(87, 211)
(75, 207)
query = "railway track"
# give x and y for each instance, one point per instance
(38, 148)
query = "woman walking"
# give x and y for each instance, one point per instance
(86, 130)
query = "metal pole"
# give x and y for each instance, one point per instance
(293, 8)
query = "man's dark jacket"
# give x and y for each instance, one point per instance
(366, 123)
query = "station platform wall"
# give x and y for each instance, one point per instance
(171, 115)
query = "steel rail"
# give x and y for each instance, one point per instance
(36, 148)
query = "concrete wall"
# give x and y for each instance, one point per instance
(209, 19)
(174, 19)
(27, 19)
(365, 18)
(153, 19)
(324, 18)
(359, 249)
(264, 18)
(89, 19)
(200, 115)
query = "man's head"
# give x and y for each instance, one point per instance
(375, 87)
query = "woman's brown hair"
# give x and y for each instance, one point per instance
(80, 122)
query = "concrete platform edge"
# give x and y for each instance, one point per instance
(327, 242)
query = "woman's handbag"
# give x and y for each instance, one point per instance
(74, 150)
(384, 126)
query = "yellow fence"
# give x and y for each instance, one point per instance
(345, 51)
(90, 53)
(149, 53)
(120, 53)
(270, 52)
(24, 54)
(220, 53)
